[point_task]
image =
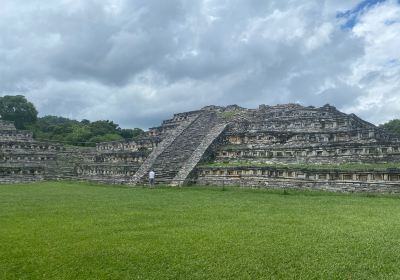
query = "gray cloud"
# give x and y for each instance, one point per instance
(137, 62)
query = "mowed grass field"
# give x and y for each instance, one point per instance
(69, 230)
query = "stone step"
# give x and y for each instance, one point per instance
(181, 151)
(143, 170)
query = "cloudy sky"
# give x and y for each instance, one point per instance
(137, 62)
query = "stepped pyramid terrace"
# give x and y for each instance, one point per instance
(282, 146)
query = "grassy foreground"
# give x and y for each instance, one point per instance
(83, 231)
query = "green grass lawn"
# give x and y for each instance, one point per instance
(83, 231)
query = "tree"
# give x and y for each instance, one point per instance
(80, 133)
(128, 133)
(103, 127)
(392, 126)
(18, 110)
(85, 122)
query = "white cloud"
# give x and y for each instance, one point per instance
(321, 36)
(138, 61)
(377, 72)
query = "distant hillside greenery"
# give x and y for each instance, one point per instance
(83, 133)
(52, 128)
(392, 126)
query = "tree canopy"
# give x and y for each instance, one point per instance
(392, 126)
(19, 110)
(81, 133)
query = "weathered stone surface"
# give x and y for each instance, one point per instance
(7, 125)
(385, 181)
(205, 147)
(184, 150)
(281, 134)
(169, 138)
(21, 158)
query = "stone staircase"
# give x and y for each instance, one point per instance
(174, 162)
(142, 172)
(197, 155)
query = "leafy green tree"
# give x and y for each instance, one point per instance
(19, 110)
(79, 136)
(105, 138)
(392, 126)
(85, 122)
(103, 127)
(54, 128)
(131, 133)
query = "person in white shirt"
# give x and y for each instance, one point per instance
(152, 177)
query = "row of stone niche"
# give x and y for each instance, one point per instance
(6, 125)
(16, 138)
(11, 157)
(15, 133)
(370, 151)
(130, 146)
(114, 170)
(299, 113)
(309, 175)
(30, 146)
(21, 171)
(306, 124)
(119, 158)
(309, 137)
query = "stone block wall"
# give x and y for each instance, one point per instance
(337, 153)
(21, 158)
(110, 167)
(385, 181)
(142, 144)
(7, 125)
(295, 134)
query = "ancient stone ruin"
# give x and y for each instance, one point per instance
(287, 146)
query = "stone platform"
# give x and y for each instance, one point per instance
(179, 148)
